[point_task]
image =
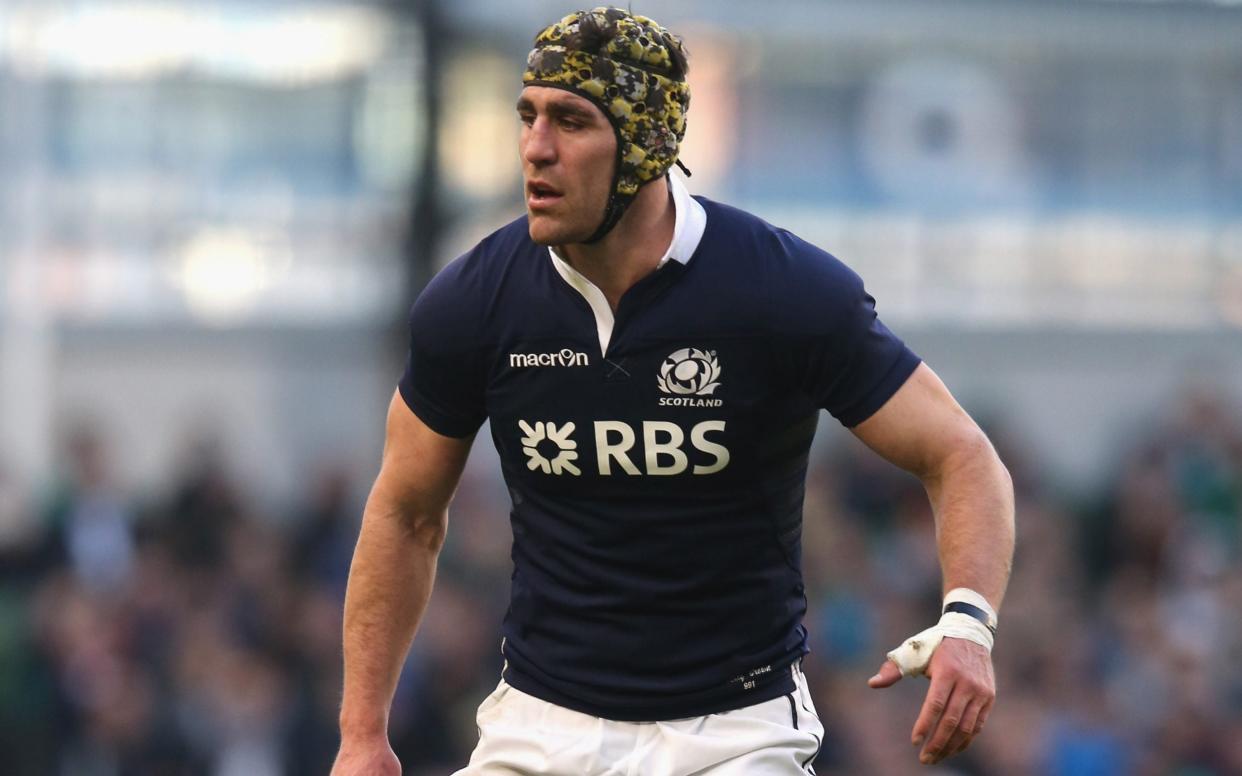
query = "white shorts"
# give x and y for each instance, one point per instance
(520, 735)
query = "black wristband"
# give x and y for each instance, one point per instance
(970, 610)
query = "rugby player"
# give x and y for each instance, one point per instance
(652, 365)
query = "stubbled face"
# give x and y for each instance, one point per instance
(568, 152)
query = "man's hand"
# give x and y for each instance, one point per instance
(371, 758)
(958, 702)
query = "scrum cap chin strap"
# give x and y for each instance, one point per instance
(630, 80)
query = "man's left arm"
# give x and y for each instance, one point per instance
(923, 430)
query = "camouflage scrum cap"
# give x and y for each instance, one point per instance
(630, 75)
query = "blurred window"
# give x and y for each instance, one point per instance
(218, 164)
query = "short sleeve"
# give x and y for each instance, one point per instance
(444, 379)
(844, 358)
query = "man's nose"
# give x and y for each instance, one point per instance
(538, 143)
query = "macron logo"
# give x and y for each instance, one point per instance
(565, 357)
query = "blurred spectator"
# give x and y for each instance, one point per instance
(201, 509)
(88, 524)
(325, 532)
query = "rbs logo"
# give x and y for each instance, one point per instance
(662, 452)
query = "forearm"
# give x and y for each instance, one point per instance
(972, 498)
(390, 582)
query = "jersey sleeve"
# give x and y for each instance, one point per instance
(844, 359)
(445, 376)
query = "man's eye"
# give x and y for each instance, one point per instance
(571, 125)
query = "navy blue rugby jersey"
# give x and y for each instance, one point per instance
(656, 459)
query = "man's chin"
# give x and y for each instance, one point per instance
(544, 231)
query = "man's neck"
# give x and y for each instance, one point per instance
(632, 249)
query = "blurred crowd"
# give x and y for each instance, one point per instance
(197, 632)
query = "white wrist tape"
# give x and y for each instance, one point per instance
(965, 595)
(915, 652)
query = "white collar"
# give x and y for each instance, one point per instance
(691, 221)
(688, 227)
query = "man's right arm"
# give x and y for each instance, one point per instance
(390, 579)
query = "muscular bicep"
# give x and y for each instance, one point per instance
(921, 426)
(420, 469)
